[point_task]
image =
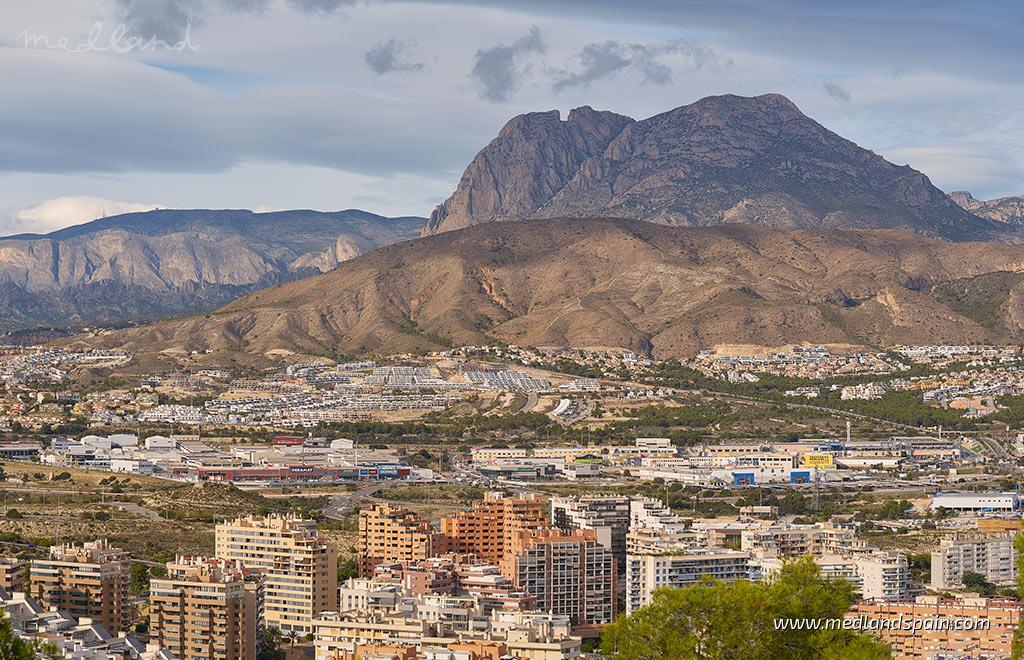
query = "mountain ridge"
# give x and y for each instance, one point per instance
(721, 159)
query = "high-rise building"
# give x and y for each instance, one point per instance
(607, 515)
(299, 569)
(568, 573)
(391, 534)
(88, 580)
(488, 530)
(203, 610)
(12, 574)
(990, 555)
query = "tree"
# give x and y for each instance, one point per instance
(11, 646)
(718, 620)
(977, 582)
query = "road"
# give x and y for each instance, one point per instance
(340, 504)
(531, 401)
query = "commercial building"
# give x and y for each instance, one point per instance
(88, 580)
(568, 573)
(931, 628)
(976, 502)
(990, 555)
(299, 568)
(489, 529)
(391, 534)
(202, 610)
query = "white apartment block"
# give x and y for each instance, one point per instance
(992, 556)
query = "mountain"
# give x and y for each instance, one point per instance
(723, 159)
(1009, 210)
(163, 262)
(668, 291)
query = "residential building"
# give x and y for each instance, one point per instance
(990, 555)
(933, 628)
(607, 515)
(489, 529)
(88, 580)
(680, 568)
(13, 574)
(299, 568)
(202, 610)
(568, 573)
(391, 534)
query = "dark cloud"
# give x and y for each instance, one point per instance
(390, 55)
(498, 71)
(603, 60)
(836, 91)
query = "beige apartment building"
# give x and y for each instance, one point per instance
(489, 529)
(390, 534)
(299, 568)
(88, 580)
(202, 610)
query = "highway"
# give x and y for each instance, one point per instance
(339, 505)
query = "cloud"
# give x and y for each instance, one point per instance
(984, 170)
(66, 211)
(388, 56)
(836, 91)
(169, 19)
(498, 71)
(598, 61)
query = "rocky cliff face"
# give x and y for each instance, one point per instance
(168, 262)
(1008, 210)
(723, 159)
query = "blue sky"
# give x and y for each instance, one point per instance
(379, 105)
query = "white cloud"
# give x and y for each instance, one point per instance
(63, 212)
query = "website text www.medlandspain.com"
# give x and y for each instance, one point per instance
(864, 623)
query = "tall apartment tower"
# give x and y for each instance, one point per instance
(990, 555)
(202, 610)
(607, 515)
(88, 580)
(489, 529)
(391, 534)
(569, 573)
(300, 570)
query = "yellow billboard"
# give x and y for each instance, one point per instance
(817, 460)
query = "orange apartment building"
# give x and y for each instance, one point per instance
(912, 627)
(488, 529)
(566, 572)
(391, 534)
(90, 580)
(12, 574)
(203, 610)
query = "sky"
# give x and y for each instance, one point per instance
(111, 106)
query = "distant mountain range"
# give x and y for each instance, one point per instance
(165, 262)
(723, 159)
(1008, 210)
(669, 291)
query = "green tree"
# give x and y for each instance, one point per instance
(977, 582)
(11, 646)
(717, 620)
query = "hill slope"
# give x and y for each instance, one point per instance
(1009, 210)
(665, 290)
(173, 261)
(723, 159)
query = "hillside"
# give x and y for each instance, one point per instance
(723, 159)
(1009, 210)
(668, 291)
(165, 262)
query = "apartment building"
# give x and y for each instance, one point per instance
(299, 568)
(797, 540)
(88, 580)
(489, 529)
(874, 574)
(680, 568)
(607, 515)
(568, 573)
(391, 534)
(523, 635)
(923, 628)
(203, 610)
(990, 555)
(12, 574)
